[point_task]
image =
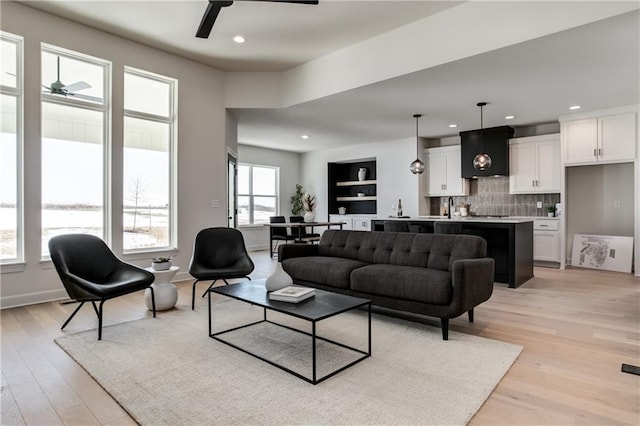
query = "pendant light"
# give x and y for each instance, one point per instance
(482, 161)
(417, 166)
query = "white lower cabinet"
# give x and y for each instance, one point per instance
(341, 218)
(361, 224)
(354, 223)
(546, 240)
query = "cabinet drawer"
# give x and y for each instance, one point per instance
(546, 225)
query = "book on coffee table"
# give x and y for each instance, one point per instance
(293, 294)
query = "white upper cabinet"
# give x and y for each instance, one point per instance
(534, 164)
(443, 172)
(607, 138)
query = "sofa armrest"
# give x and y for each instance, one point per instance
(472, 281)
(287, 251)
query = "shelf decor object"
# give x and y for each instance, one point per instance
(417, 167)
(362, 174)
(482, 161)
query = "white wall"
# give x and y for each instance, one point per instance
(392, 170)
(257, 237)
(201, 141)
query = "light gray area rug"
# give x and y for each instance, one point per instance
(167, 371)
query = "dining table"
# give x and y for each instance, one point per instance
(300, 225)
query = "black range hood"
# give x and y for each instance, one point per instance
(495, 142)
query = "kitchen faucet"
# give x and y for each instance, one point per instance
(449, 204)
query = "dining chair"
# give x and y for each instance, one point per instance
(278, 234)
(303, 235)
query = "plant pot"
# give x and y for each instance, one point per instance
(551, 214)
(309, 216)
(160, 266)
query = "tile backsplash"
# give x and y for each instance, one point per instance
(490, 196)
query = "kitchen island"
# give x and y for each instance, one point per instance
(509, 241)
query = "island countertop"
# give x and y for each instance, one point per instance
(465, 219)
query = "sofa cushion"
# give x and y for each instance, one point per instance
(404, 282)
(329, 271)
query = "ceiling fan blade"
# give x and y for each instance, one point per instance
(77, 86)
(86, 97)
(292, 1)
(210, 15)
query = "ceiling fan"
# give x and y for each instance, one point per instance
(214, 7)
(59, 88)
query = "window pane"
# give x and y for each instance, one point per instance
(8, 64)
(243, 179)
(72, 172)
(85, 77)
(243, 211)
(143, 94)
(146, 184)
(9, 179)
(263, 207)
(264, 181)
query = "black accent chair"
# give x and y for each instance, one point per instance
(395, 226)
(218, 254)
(441, 227)
(278, 234)
(303, 235)
(90, 272)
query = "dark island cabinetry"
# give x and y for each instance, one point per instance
(509, 243)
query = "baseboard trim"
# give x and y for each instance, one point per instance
(26, 299)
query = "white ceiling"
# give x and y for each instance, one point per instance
(595, 65)
(279, 35)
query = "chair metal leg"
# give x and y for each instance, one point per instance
(193, 295)
(72, 315)
(153, 300)
(209, 288)
(95, 309)
(100, 320)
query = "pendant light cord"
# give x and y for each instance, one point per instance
(417, 117)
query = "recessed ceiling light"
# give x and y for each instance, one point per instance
(453, 125)
(510, 117)
(575, 107)
(239, 39)
(305, 136)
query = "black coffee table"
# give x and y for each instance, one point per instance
(322, 306)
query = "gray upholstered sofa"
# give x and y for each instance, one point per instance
(430, 274)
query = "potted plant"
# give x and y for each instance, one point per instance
(161, 263)
(297, 207)
(551, 211)
(309, 203)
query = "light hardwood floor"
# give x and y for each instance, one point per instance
(577, 327)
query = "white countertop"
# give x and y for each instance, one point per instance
(483, 219)
(507, 219)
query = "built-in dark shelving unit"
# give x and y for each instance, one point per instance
(344, 186)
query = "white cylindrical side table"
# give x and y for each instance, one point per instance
(165, 291)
